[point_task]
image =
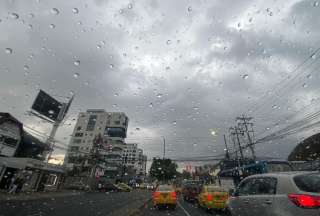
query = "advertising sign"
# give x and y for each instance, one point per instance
(47, 106)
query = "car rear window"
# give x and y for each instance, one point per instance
(308, 183)
(165, 188)
(214, 189)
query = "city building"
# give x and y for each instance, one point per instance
(98, 138)
(21, 155)
(134, 157)
(11, 131)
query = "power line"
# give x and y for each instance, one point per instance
(255, 106)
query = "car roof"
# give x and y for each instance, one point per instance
(283, 174)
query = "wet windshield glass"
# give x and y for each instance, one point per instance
(102, 101)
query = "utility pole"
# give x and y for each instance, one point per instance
(236, 132)
(54, 129)
(164, 147)
(243, 123)
(227, 151)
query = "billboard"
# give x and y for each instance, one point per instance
(47, 106)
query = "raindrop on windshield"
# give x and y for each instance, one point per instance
(189, 9)
(76, 63)
(52, 26)
(305, 85)
(51, 112)
(313, 56)
(316, 4)
(14, 16)
(130, 6)
(174, 122)
(245, 76)
(168, 42)
(309, 76)
(76, 75)
(75, 10)
(116, 94)
(111, 66)
(159, 95)
(151, 105)
(120, 11)
(55, 11)
(26, 68)
(9, 50)
(274, 106)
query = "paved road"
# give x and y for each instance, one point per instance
(183, 209)
(87, 204)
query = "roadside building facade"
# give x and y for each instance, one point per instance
(134, 157)
(11, 132)
(98, 138)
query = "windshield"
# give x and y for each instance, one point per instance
(308, 183)
(165, 188)
(101, 101)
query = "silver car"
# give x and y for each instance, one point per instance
(277, 194)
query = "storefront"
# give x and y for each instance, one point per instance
(36, 175)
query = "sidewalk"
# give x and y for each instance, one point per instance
(4, 196)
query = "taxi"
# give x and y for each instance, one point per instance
(124, 187)
(213, 197)
(164, 196)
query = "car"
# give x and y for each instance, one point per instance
(124, 187)
(109, 187)
(150, 186)
(164, 196)
(280, 194)
(212, 197)
(190, 192)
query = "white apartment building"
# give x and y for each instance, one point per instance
(133, 157)
(111, 127)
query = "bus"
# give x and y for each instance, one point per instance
(258, 167)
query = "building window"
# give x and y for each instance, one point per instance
(74, 148)
(78, 134)
(92, 122)
(79, 128)
(8, 141)
(77, 141)
(117, 122)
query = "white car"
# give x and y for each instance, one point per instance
(277, 194)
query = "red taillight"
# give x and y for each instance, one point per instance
(209, 197)
(156, 194)
(174, 195)
(305, 201)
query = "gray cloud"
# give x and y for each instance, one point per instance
(176, 72)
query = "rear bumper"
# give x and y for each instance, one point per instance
(215, 205)
(164, 202)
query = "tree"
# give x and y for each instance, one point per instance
(163, 169)
(186, 175)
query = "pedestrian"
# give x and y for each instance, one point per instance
(14, 186)
(20, 184)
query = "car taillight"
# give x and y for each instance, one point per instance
(174, 195)
(305, 201)
(156, 194)
(209, 197)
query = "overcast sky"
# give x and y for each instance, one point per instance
(177, 68)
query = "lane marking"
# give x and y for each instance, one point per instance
(185, 211)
